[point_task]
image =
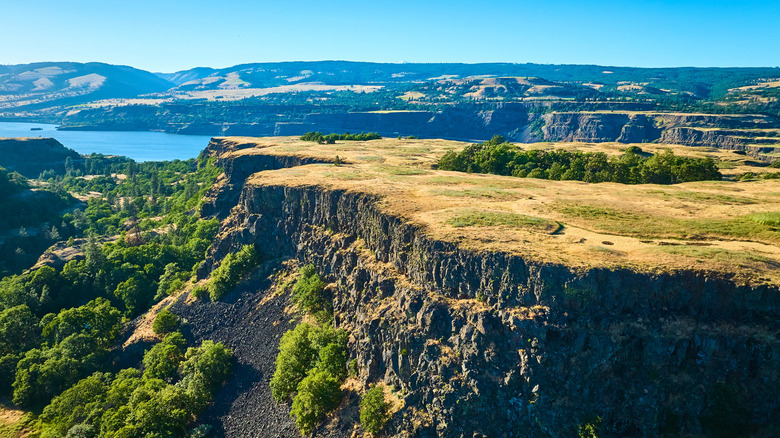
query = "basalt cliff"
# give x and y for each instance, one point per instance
(478, 341)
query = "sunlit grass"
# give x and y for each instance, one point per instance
(479, 218)
(760, 226)
(771, 219)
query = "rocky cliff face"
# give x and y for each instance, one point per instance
(728, 132)
(583, 127)
(225, 194)
(528, 122)
(748, 141)
(31, 156)
(489, 344)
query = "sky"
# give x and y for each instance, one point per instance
(173, 35)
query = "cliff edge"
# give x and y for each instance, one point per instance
(499, 306)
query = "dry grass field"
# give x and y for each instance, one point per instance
(731, 227)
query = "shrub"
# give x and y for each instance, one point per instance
(296, 356)
(199, 292)
(333, 360)
(212, 361)
(307, 291)
(165, 322)
(353, 368)
(590, 428)
(317, 137)
(374, 410)
(162, 360)
(634, 150)
(233, 267)
(318, 394)
(728, 414)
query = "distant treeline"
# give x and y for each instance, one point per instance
(331, 138)
(633, 167)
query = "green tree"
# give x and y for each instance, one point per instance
(163, 359)
(97, 318)
(374, 410)
(229, 272)
(165, 322)
(296, 356)
(43, 374)
(212, 360)
(19, 330)
(307, 291)
(77, 404)
(136, 293)
(318, 393)
(333, 360)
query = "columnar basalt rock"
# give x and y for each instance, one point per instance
(495, 344)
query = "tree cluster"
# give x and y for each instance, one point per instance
(318, 137)
(163, 400)
(633, 167)
(312, 359)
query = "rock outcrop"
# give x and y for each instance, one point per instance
(491, 344)
(582, 127)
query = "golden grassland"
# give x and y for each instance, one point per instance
(731, 227)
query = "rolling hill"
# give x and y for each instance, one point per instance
(46, 84)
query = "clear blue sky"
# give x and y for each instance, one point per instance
(171, 35)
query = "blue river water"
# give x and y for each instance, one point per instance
(140, 146)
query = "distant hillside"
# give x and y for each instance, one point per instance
(183, 76)
(702, 82)
(523, 102)
(31, 156)
(46, 84)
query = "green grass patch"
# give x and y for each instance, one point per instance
(727, 165)
(348, 175)
(710, 198)
(719, 255)
(771, 219)
(450, 180)
(10, 429)
(478, 193)
(392, 170)
(371, 159)
(413, 150)
(479, 218)
(586, 211)
(625, 223)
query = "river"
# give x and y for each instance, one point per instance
(138, 145)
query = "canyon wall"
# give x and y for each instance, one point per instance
(491, 344)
